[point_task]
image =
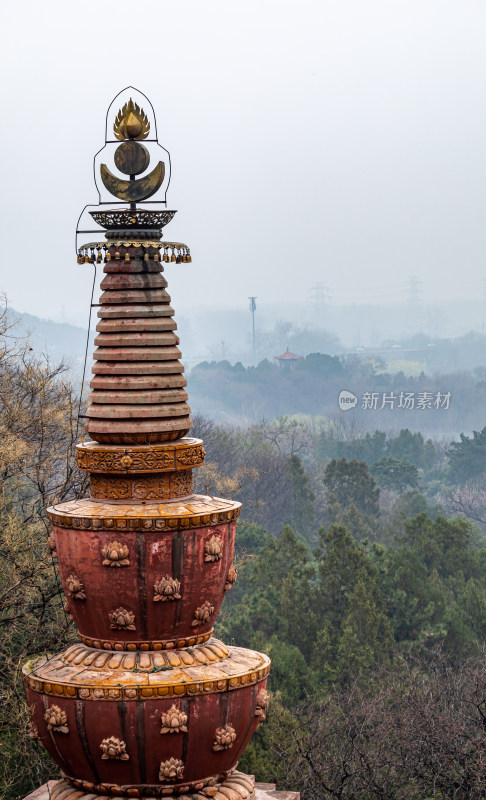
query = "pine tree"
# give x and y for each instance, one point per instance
(351, 482)
(303, 508)
(366, 637)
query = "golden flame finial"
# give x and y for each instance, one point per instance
(131, 122)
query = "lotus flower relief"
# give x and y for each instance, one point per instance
(167, 588)
(203, 614)
(213, 549)
(261, 708)
(52, 546)
(67, 610)
(171, 770)
(75, 588)
(224, 738)
(122, 620)
(115, 554)
(56, 720)
(174, 721)
(231, 578)
(114, 748)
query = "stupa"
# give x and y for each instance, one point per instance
(147, 703)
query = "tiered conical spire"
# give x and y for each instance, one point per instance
(138, 386)
(147, 703)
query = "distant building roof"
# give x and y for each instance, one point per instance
(288, 356)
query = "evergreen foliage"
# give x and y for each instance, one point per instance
(375, 620)
(351, 484)
(339, 615)
(395, 473)
(467, 458)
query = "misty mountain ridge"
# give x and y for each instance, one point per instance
(58, 341)
(243, 387)
(228, 339)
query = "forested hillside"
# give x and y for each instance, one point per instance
(362, 572)
(439, 403)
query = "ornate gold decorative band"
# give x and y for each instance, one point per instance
(94, 457)
(167, 486)
(231, 784)
(145, 692)
(125, 523)
(159, 644)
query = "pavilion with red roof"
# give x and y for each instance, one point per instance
(287, 360)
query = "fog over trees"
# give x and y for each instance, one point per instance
(361, 560)
(328, 159)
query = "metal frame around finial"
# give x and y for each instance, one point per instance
(115, 141)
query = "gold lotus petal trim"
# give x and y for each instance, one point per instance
(196, 512)
(146, 661)
(243, 785)
(242, 668)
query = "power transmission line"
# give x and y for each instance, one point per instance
(319, 294)
(414, 302)
(414, 293)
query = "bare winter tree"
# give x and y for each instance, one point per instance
(468, 500)
(38, 432)
(412, 734)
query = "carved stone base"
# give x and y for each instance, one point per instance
(237, 787)
(263, 791)
(267, 791)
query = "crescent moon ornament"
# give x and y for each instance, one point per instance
(134, 190)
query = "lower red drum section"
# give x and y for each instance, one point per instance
(192, 735)
(143, 590)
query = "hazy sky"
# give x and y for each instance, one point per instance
(342, 142)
